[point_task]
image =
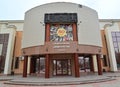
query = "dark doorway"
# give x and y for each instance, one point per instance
(37, 66)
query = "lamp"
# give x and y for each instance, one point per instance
(42, 23)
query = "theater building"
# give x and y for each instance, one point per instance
(59, 39)
(61, 33)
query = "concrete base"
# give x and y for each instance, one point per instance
(58, 80)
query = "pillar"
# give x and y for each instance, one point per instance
(77, 73)
(95, 63)
(47, 66)
(47, 31)
(47, 60)
(99, 65)
(75, 37)
(28, 65)
(25, 66)
(9, 41)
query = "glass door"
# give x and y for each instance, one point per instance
(62, 67)
(84, 64)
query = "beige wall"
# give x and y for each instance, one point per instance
(104, 47)
(20, 69)
(104, 51)
(17, 52)
(119, 24)
(88, 24)
(18, 23)
(18, 41)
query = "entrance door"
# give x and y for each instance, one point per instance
(84, 63)
(61, 67)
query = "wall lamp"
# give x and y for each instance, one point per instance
(42, 23)
(79, 22)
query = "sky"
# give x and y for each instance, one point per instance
(15, 9)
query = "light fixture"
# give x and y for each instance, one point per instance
(42, 23)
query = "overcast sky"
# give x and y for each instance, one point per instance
(15, 9)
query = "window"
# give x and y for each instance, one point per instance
(114, 39)
(116, 50)
(113, 34)
(116, 44)
(16, 62)
(118, 34)
(61, 32)
(118, 39)
(3, 50)
(104, 60)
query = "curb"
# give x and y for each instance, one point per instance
(12, 82)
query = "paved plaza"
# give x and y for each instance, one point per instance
(106, 80)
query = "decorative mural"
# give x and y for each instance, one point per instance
(61, 32)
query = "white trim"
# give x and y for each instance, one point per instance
(1, 46)
(95, 63)
(111, 51)
(9, 53)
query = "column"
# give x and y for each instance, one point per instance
(95, 63)
(77, 72)
(111, 52)
(25, 66)
(99, 65)
(47, 36)
(47, 66)
(28, 65)
(75, 38)
(10, 35)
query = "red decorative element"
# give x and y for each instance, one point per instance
(25, 66)
(47, 66)
(77, 74)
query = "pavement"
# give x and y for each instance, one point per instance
(58, 81)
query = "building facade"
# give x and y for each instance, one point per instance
(110, 38)
(10, 45)
(59, 42)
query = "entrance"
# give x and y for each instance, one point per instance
(84, 64)
(61, 67)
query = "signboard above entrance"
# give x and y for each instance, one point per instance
(60, 18)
